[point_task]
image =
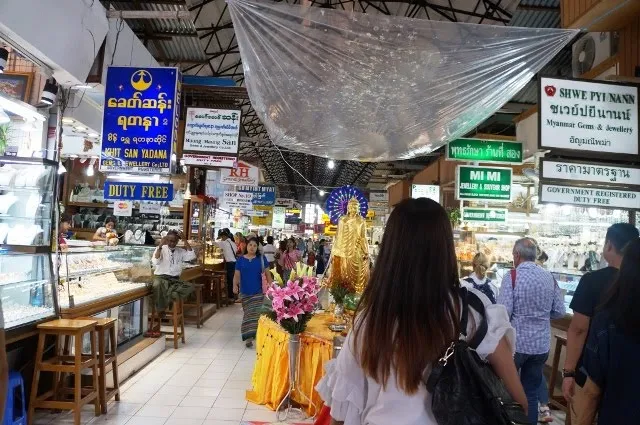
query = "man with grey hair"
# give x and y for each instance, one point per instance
(532, 298)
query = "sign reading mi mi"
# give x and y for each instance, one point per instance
(588, 118)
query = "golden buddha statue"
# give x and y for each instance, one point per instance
(350, 253)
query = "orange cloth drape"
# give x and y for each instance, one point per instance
(271, 372)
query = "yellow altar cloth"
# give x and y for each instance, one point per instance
(270, 379)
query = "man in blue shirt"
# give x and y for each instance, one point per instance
(532, 299)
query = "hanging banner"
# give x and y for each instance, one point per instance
(480, 150)
(140, 119)
(591, 197)
(244, 174)
(278, 216)
(137, 191)
(590, 172)
(483, 183)
(265, 218)
(487, 215)
(123, 208)
(430, 191)
(586, 116)
(262, 195)
(212, 131)
(378, 197)
(210, 160)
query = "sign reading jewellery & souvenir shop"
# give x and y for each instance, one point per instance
(140, 119)
(480, 150)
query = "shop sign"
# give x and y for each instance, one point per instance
(488, 215)
(277, 221)
(138, 191)
(378, 197)
(379, 209)
(123, 208)
(244, 174)
(483, 183)
(210, 160)
(587, 116)
(330, 229)
(286, 202)
(265, 217)
(262, 195)
(140, 122)
(480, 150)
(590, 172)
(431, 191)
(146, 208)
(214, 131)
(73, 145)
(589, 197)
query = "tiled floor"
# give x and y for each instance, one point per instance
(201, 383)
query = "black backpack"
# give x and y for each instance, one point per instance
(464, 388)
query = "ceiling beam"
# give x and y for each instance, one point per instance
(170, 2)
(164, 35)
(149, 14)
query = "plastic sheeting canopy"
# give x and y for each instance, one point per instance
(368, 87)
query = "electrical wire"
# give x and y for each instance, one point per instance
(290, 166)
(119, 28)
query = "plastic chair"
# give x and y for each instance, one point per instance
(15, 409)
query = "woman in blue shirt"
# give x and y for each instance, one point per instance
(247, 281)
(611, 353)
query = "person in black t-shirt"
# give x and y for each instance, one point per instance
(588, 296)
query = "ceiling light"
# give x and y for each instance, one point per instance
(321, 192)
(92, 134)
(49, 92)
(67, 120)
(331, 164)
(4, 56)
(4, 118)
(80, 128)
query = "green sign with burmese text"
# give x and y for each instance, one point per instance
(487, 215)
(483, 183)
(480, 150)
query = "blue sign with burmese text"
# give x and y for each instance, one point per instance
(262, 195)
(140, 119)
(137, 191)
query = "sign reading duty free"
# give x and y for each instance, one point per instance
(483, 183)
(588, 117)
(589, 196)
(480, 150)
(137, 191)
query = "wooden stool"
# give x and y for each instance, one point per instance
(222, 289)
(558, 401)
(197, 295)
(106, 358)
(176, 316)
(66, 364)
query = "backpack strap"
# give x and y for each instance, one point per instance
(471, 299)
(513, 278)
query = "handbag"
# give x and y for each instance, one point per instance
(263, 275)
(465, 389)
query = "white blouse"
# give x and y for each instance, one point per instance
(357, 399)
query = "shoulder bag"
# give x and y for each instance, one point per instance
(464, 388)
(263, 275)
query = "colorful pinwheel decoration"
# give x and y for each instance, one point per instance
(339, 198)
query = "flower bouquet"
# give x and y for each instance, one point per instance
(293, 303)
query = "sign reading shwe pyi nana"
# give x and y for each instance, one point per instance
(480, 150)
(585, 116)
(483, 183)
(140, 119)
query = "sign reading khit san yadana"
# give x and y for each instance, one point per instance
(590, 197)
(480, 150)
(483, 183)
(487, 215)
(587, 116)
(590, 172)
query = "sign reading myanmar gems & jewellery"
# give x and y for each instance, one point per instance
(140, 119)
(587, 116)
(483, 183)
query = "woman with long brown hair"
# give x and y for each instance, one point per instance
(408, 315)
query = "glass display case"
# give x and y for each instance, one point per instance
(88, 276)
(26, 201)
(26, 289)
(213, 256)
(567, 281)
